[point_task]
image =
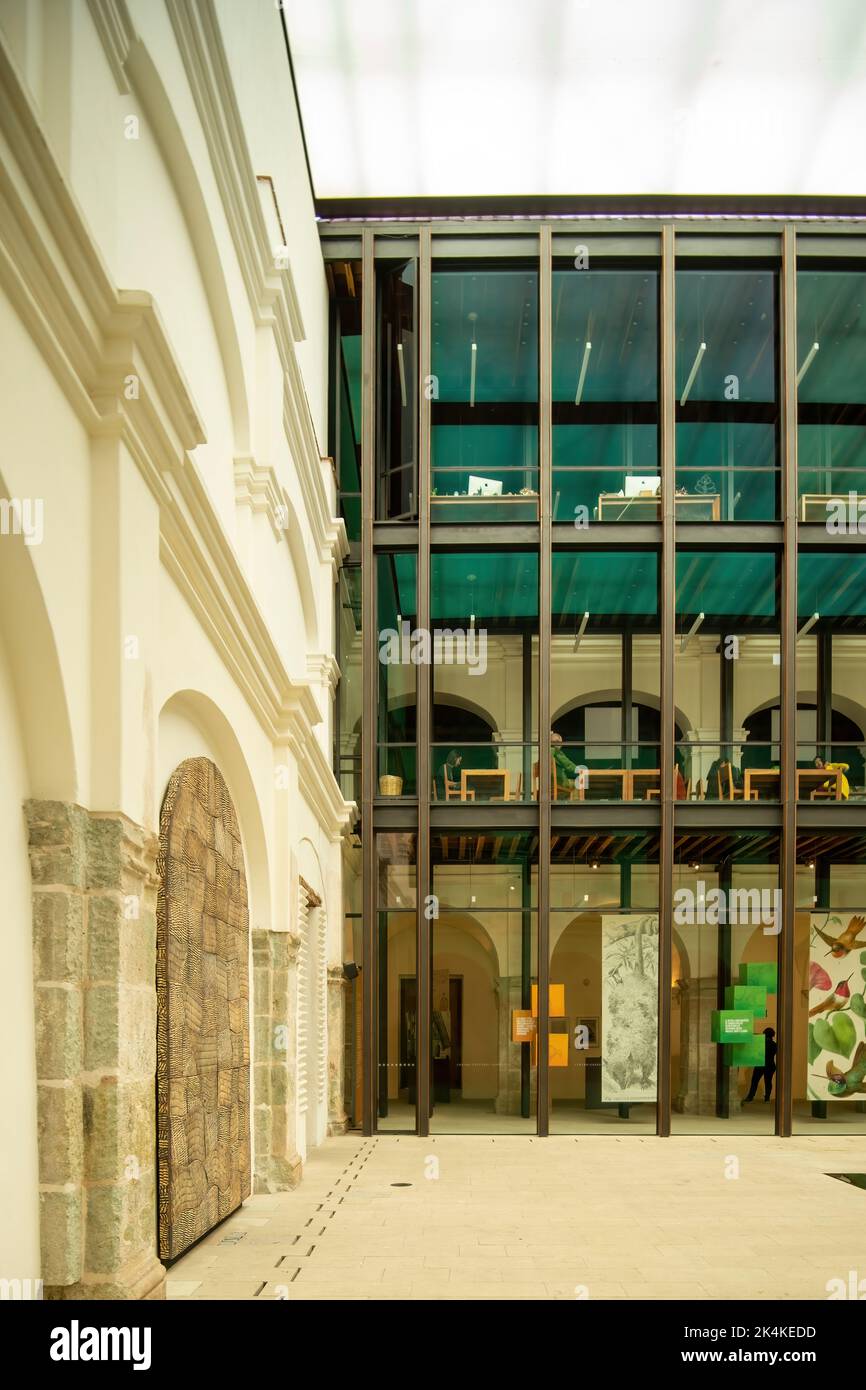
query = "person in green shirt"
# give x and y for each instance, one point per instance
(567, 772)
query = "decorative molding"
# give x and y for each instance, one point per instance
(256, 487)
(94, 338)
(322, 669)
(269, 290)
(117, 33)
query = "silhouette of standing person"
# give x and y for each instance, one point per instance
(768, 1070)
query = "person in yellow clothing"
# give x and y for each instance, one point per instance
(841, 768)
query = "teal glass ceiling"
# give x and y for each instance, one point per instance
(498, 310)
(728, 585)
(616, 311)
(831, 311)
(604, 584)
(733, 313)
(832, 585)
(490, 584)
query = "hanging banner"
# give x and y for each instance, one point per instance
(630, 1013)
(837, 1006)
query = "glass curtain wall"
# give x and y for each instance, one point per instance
(487, 301)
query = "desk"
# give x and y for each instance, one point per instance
(813, 505)
(693, 507)
(818, 777)
(616, 779)
(645, 783)
(757, 778)
(508, 499)
(484, 780)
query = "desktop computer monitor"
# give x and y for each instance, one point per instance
(636, 486)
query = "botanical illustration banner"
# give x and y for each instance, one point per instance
(837, 1006)
(630, 1016)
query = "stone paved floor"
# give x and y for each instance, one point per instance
(518, 1218)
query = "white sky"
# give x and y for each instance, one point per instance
(497, 97)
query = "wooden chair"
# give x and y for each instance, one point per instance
(557, 793)
(452, 788)
(517, 794)
(725, 784)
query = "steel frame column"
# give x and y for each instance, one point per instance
(545, 446)
(788, 330)
(668, 620)
(423, 728)
(369, 992)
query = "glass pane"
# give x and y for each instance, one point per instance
(727, 676)
(397, 1010)
(397, 388)
(346, 392)
(726, 388)
(349, 691)
(830, 984)
(831, 659)
(724, 982)
(831, 412)
(605, 728)
(484, 968)
(484, 655)
(396, 600)
(484, 394)
(605, 395)
(604, 978)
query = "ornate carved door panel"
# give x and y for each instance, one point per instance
(202, 978)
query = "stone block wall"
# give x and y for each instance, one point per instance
(94, 923)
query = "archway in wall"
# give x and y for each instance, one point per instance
(455, 726)
(572, 722)
(202, 980)
(846, 740)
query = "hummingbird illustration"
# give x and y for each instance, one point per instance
(847, 940)
(848, 1083)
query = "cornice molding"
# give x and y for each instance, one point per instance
(110, 354)
(322, 669)
(270, 289)
(116, 32)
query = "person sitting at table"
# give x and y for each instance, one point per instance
(567, 772)
(717, 777)
(450, 771)
(830, 786)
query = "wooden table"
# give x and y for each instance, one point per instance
(648, 508)
(508, 499)
(754, 778)
(614, 774)
(482, 774)
(819, 776)
(645, 774)
(771, 777)
(813, 505)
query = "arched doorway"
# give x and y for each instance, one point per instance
(202, 981)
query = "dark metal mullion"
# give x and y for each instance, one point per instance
(545, 444)
(423, 724)
(785, 1028)
(668, 619)
(824, 695)
(370, 667)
